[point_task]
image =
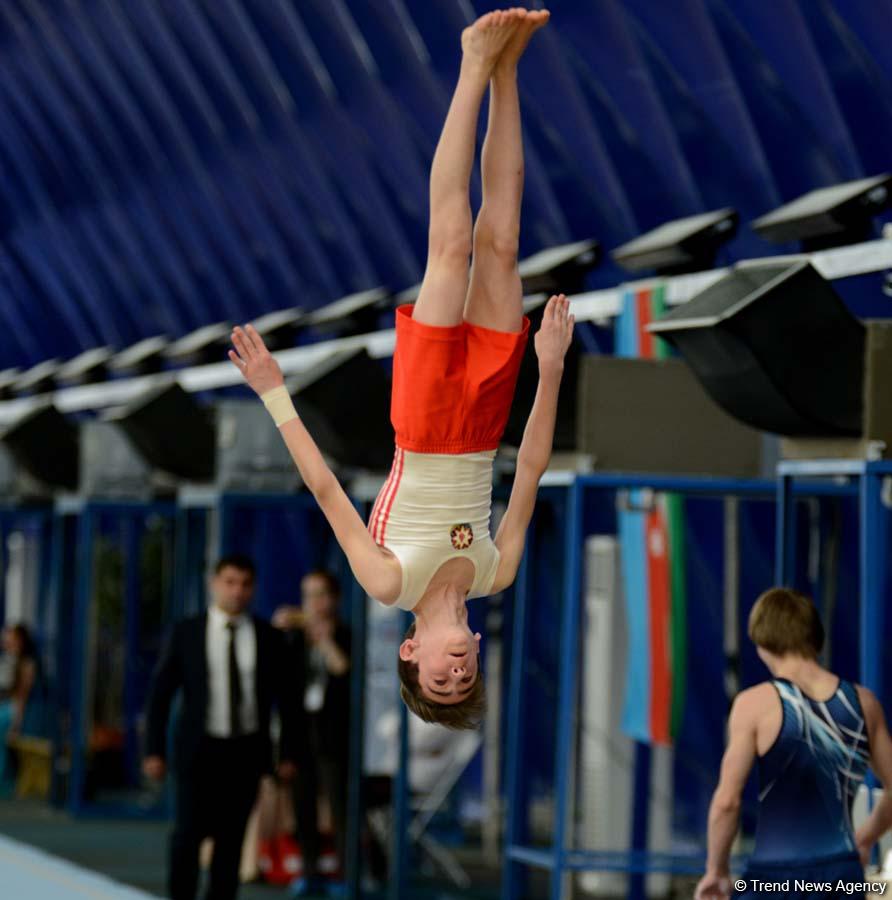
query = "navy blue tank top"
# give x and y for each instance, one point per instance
(809, 776)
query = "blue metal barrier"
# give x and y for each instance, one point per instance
(558, 858)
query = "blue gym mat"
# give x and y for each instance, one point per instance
(29, 874)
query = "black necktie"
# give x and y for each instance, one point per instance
(235, 686)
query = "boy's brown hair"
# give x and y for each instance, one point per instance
(783, 621)
(466, 715)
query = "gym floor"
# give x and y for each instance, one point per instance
(132, 854)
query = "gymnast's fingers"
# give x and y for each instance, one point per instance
(255, 338)
(248, 338)
(245, 350)
(237, 360)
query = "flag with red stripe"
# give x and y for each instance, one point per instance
(651, 531)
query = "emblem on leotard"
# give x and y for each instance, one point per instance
(462, 536)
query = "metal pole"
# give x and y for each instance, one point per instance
(132, 595)
(871, 559)
(400, 860)
(515, 807)
(785, 536)
(871, 620)
(355, 803)
(569, 659)
(732, 597)
(491, 825)
(82, 626)
(640, 816)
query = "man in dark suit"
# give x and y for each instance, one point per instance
(232, 668)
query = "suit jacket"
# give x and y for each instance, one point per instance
(183, 666)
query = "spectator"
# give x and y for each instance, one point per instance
(19, 701)
(232, 668)
(321, 644)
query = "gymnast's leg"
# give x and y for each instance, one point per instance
(495, 296)
(445, 285)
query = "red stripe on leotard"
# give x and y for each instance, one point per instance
(373, 523)
(394, 489)
(383, 497)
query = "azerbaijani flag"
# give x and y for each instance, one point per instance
(651, 533)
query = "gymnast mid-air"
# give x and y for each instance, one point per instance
(427, 546)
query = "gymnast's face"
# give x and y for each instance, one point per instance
(447, 658)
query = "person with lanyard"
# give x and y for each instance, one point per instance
(321, 645)
(427, 547)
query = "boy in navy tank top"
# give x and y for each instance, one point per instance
(812, 736)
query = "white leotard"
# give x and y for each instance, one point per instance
(435, 507)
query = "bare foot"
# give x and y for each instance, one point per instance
(483, 42)
(528, 26)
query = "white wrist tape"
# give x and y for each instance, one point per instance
(279, 405)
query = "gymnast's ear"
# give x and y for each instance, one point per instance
(407, 649)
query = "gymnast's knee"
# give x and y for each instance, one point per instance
(498, 243)
(449, 245)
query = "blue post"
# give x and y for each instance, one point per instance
(355, 804)
(224, 525)
(400, 860)
(181, 562)
(515, 807)
(569, 665)
(640, 816)
(785, 535)
(80, 702)
(871, 561)
(132, 590)
(4, 518)
(44, 586)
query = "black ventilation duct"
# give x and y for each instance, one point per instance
(682, 245)
(45, 444)
(775, 346)
(345, 404)
(829, 217)
(170, 430)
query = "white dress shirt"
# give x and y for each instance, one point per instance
(218, 722)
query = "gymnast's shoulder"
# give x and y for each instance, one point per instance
(383, 579)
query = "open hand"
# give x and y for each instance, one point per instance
(713, 887)
(555, 335)
(254, 361)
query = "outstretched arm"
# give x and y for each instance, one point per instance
(552, 342)
(372, 569)
(724, 811)
(880, 819)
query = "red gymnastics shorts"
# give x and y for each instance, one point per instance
(452, 386)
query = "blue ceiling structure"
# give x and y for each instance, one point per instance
(171, 163)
